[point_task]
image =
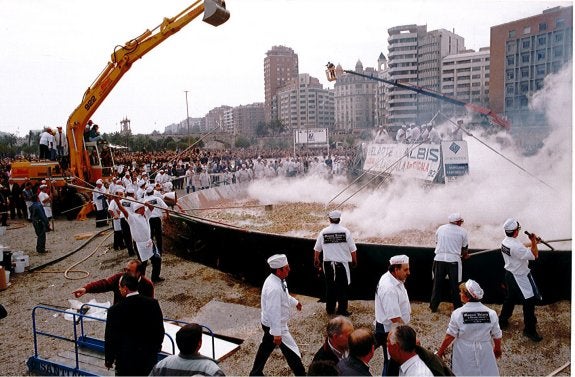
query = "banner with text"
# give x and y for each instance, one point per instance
(413, 161)
(455, 159)
(311, 136)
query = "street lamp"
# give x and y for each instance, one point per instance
(187, 115)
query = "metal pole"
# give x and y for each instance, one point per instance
(187, 115)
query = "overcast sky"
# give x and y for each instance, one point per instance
(52, 51)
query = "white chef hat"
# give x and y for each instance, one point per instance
(130, 190)
(474, 289)
(335, 215)
(277, 261)
(137, 205)
(150, 189)
(99, 182)
(399, 259)
(120, 189)
(454, 217)
(510, 224)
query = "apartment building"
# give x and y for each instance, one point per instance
(523, 52)
(214, 119)
(415, 57)
(402, 61)
(304, 103)
(243, 120)
(355, 100)
(465, 76)
(432, 47)
(280, 68)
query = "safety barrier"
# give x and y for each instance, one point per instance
(77, 363)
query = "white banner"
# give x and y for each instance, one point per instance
(455, 158)
(413, 161)
(311, 136)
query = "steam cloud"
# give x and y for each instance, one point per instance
(494, 190)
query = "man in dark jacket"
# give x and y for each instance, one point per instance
(134, 331)
(336, 345)
(111, 284)
(40, 223)
(361, 350)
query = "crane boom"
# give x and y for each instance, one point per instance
(121, 61)
(497, 119)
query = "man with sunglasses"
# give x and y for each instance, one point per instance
(520, 284)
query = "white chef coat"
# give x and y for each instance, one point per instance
(158, 204)
(450, 239)
(474, 325)
(391, 301)
(516, 257)
(414, 367)
(99, 203)
(48, 205)
(336, 243)
(276, 303)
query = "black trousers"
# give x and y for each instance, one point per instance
(118, 240)
(156, 261)
(440, 271)
(101, 218)
(390, 367)
(336, 287)
(266, 348)
(127, 235)
(40, 229)
(156, 232)
(515, 296)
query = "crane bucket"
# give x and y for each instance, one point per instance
(215, 12)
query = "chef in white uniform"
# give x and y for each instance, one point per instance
(451, 246)
(520, 284)
(391, 306)
(472, 329)
(276, 303)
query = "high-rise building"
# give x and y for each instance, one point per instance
(355, 100)
(402, 61)
(280, 68)
(465, 76)
(523, 52)
(432, 47)
(415, 57)
(304, 104)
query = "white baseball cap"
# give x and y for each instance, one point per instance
(511, 224)
(335, 214)
(454, 217)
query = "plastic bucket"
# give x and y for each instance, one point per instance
(20, 265)
(27, 260)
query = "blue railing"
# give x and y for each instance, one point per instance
(83, 340)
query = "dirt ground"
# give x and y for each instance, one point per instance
(192, 292)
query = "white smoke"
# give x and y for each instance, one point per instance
(534, 189)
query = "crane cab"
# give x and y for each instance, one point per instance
(100, 158)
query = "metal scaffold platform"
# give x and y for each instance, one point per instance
(77, 347)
